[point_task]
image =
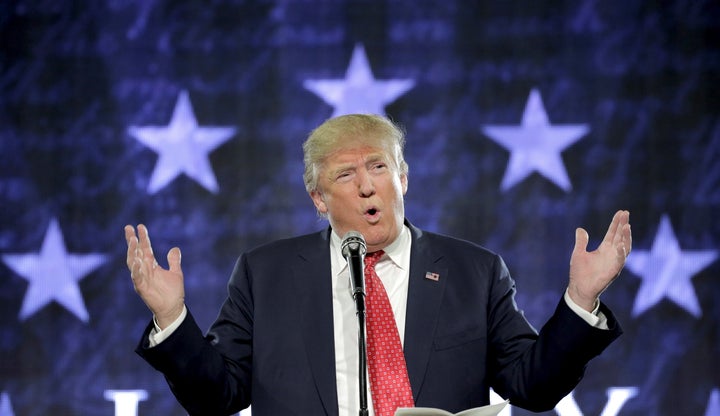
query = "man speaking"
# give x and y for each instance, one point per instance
(442, 324)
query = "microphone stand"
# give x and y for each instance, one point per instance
(357, 276)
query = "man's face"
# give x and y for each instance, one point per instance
(361, 189)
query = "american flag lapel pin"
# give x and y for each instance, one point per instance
(432, 276)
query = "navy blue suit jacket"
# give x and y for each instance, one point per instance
(272, 344)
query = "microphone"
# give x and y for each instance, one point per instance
(354, 249)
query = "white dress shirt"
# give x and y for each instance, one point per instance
(393, 269)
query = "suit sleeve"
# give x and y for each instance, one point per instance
(205, 375)
(537, 371)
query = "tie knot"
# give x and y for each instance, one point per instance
(371, 259)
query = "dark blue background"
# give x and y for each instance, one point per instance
(75, 75)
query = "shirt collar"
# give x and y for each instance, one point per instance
(398, 251)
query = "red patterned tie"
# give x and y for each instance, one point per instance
(389, 382)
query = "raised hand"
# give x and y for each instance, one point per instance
(592, 272)
(162, 290)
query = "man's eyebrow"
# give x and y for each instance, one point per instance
(341, 168)
(376, 157)
(347, 166)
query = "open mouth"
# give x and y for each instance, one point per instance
(372, 215)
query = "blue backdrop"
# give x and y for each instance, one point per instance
(525, 119)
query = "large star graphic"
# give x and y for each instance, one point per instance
(535, 145)
(666, 271)
(182, 147)
(53, 274)
(359, 92)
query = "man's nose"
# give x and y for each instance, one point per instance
(365, 184)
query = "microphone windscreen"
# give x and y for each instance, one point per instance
(353, 241)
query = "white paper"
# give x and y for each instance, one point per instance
(489, 410)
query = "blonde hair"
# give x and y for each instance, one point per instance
(349, 131)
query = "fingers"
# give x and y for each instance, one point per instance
(134, 256)
(623, 238)
(617, 229)
(619, 235)
(612, 233)
(130, 234)
(627, 237)
(140, 259)
(144, 241)
(130, 237)
(625, 232)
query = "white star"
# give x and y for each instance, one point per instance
(5, 406)
(666, 271)
(53, 274)
(359, 92)
(535, 145)
(182, 147)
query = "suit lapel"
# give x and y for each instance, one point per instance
(425, 292)
(313, 284)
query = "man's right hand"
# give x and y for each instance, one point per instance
(162, 290)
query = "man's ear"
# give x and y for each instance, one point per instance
(319, 201)
(404, 182)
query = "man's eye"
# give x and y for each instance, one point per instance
(344, 176)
